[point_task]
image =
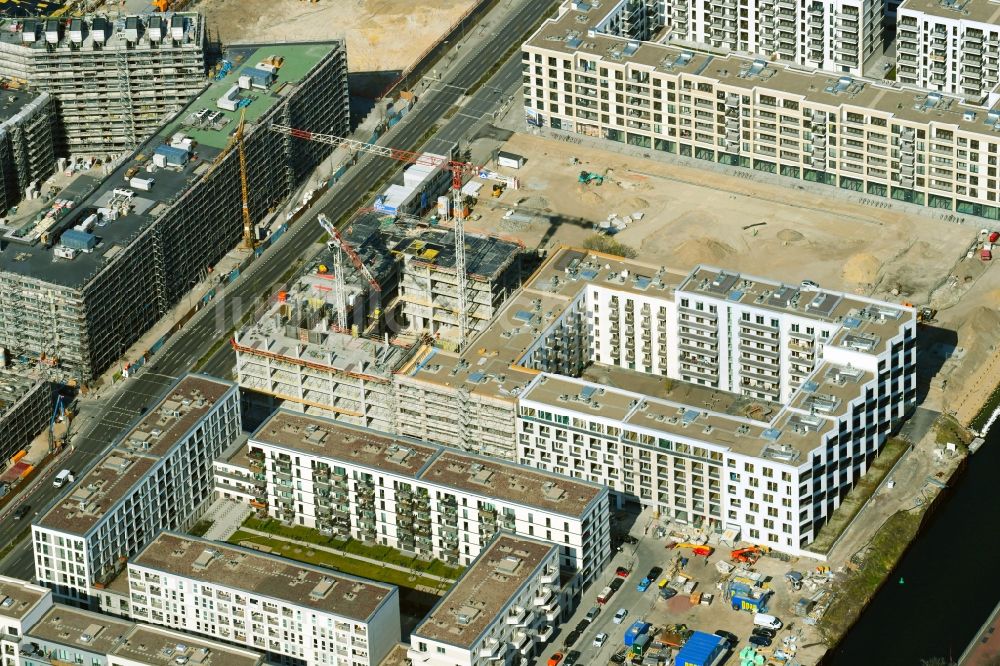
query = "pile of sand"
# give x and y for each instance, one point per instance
(591, 198)
(635, 203)
(702, 250)
(862, 268)
(979, 329)
(790, 235)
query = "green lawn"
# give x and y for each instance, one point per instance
(354, 547)
(348, 565)
(859, 496)
(856, 591)
(199, 528)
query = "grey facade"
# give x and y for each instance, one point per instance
(25, 410)
(137, 72)
(87, 310)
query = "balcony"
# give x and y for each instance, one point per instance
(549, 577)
(492, 649)
(545, 633)
(518, 616)
(542, 597)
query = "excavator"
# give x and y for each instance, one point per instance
(747, 555)
(696, 548)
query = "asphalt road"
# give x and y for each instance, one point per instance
(199, 336)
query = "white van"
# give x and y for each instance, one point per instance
(769, 621)
(63, 477)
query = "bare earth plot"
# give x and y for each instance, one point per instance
(381, 35)
(693, 216)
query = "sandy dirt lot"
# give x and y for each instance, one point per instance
(381, 34)
(693, 216)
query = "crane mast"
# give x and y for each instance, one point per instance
(458, 169)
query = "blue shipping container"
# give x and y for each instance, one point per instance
(700, 649)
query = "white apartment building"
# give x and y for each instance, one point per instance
(416, 497)
(504, 608)
(721, 400)
(835, 35)
(882, 139)
(21, 606)
(67, 635)
(295, 613)
(157, 476)
(950, 46)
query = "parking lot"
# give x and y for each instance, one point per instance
(705, 573)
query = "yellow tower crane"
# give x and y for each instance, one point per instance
(237, 141)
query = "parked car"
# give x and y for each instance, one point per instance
(616, 584)
(600, 639)
(667, 592)
(572, 658)
(765, 620)
(629, 539)
(732, 640)
(764, 631)
(809, 284)
(759, 641)
(643, 585)
(620, 615)
(555, 659)
(571, 638)
(582, 625)
(22, 512)
(593, 613)
(622, 572)
(654, 573)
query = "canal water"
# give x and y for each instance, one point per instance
(945, 587)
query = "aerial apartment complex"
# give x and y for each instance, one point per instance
(879, 138)
(835, 35)
(429, 500)
(35, 631)
(138, 70)
(156, 477)
(293, 612)
(717, 398)
(89, 276)
(506, 604)
(950, 46)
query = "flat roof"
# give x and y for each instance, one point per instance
(86, 195)
(135, 453)
(19, 597)
(158, 646)
(470, 473)
(573, 33)
(112, 27)
(479, 598)
(14, 100)
(80, 629)
(982, 11)
(851, 314)
(13, 387)
(311, 587)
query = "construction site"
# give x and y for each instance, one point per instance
(100, 263)
(26, 408)
(28, 137)
(139, 71)
(320, 344)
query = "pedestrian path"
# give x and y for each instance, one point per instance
(227, 516)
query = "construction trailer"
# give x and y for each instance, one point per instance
(136, 253)
(139, 70)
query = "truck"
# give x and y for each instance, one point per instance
(62, 478)
(637, 629)
(604, 595)
(748, 603)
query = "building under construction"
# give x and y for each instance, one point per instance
(25, 411)
(116, 77)
(87, 277)
(27, 143)
(295, 353)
